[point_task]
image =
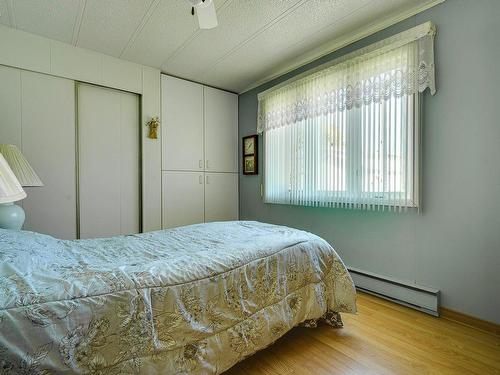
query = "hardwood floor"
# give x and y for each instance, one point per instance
(384, 338)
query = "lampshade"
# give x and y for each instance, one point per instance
(10, 188)
(20, 166)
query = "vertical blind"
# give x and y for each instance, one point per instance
(347, 135)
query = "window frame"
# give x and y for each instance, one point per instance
(416, 172)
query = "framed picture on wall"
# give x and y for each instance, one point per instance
(250, 148)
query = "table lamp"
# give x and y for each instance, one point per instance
(15, 172)
(11, 215)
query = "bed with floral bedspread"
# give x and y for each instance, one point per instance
(193, 299)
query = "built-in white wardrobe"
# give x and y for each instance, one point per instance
(199, 153)
(84, 143)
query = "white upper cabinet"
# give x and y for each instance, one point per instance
(182, 136)
(221, 130)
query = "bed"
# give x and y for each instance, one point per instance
(193, 299)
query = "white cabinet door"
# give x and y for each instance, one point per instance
(48, 142)
(183, 202)
(182, 120)
(109, 181)
(221, 131)
(221, 196)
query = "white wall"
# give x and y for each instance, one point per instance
(30, 52)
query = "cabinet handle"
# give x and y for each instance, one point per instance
(208, 181)
(200, 179)
(208, 165)
(200, 164)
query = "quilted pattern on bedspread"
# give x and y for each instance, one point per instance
(195, 299)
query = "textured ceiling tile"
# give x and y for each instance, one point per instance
(342, 30)
(50, 18)
(237, 22)
(273, 52)
(275, 44)
(108, 25)
(168, 28)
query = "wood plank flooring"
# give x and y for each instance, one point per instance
(384, 338)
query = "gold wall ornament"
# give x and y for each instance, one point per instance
(153, 124)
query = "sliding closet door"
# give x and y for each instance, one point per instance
(108, 149)
(130, 170)
(48, 142)
(10, 106)
(37, 114)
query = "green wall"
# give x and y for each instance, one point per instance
(454, 243)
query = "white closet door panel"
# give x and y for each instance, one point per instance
(221, 196)
(221, 130)
(182, 114)
(99, 161)
(10, 106)
(109, 185)
(130, 167)
(183, 202)
(48, 142)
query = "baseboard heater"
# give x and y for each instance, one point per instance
(417, 297)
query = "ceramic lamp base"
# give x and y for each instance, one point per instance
(11, 216)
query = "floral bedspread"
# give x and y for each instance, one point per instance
(193, 299)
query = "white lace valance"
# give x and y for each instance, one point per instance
(400, 65)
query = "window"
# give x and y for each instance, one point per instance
(347, 135)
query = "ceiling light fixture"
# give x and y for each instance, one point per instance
(205, 10)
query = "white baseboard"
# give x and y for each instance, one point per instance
(415, 296)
